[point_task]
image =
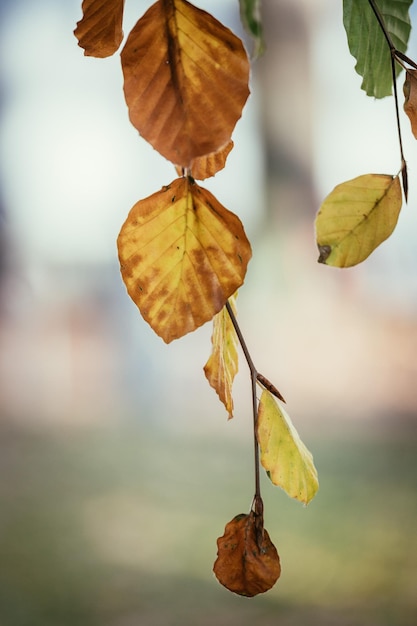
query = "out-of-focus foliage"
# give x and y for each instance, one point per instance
(250, 12)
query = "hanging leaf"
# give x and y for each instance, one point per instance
(250, 14)
(185, 80)
(367, 42)
(283, 455)
(99, 31)
(247, 561)
(182, 255)
(222, 366)
(410, 103)
(356, 217)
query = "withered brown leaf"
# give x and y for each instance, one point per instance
(247, 561)
(99, 31)
(410, 103)
(185, 80)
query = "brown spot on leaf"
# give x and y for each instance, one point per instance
(325, 252)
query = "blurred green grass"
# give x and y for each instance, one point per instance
(119, 527)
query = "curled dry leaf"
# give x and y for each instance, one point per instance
(208, 165)
(222, 365)
(99, 31)
(410, 95)
(185, 80)
(247, 561)
(182, 255)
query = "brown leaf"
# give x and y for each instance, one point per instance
(182, 254)
(99, 31)
(208, 165)
(185, 80)
(410, 94)
(247, 561)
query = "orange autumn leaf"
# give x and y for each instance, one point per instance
(247, 561)
(209, 164)
(410, 103)
(185, 80)
(99, 31)
(222, 365)
(182, 255)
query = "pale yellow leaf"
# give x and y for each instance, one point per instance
(222, 365)
(356, 217)
(284, 456)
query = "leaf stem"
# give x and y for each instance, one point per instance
(397, 113)
(382, 25)
(394, 54)
(253, 375)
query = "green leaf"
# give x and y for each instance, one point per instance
(250, 14)
(284, 456)
(356, 217)
(368, 44)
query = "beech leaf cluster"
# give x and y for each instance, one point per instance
(183, 255)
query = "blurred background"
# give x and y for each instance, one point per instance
(118, 467)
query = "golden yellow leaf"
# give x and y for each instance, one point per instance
(182, 255)
(99, 31)
(410, 95)
(222, 366)
(284, 456)
(185, 80)
(356, 217)
(247, 561)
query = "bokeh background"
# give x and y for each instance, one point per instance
(118, 467)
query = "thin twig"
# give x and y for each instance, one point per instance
(394, 55)
(253, 375)
(382, 25)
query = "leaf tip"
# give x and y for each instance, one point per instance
(325, 252)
